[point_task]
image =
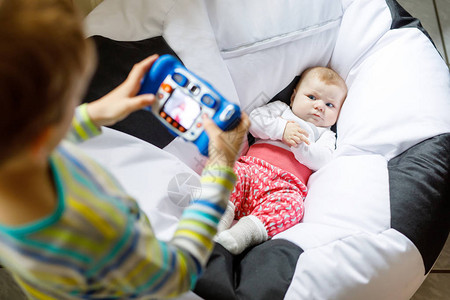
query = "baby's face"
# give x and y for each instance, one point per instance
(318, 102)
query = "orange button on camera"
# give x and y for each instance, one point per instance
(163, 114)
(166, 87)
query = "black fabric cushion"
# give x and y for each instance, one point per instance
(286, 93)
(419, 186)
(262, 272)
(402, 19)
(115, 60)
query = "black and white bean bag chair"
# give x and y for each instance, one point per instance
(377, 216)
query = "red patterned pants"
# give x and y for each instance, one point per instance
(267, 192)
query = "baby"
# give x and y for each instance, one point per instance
(291, 143)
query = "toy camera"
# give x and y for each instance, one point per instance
(182, 99)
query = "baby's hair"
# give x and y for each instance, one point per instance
(327, 75)
(44, 56)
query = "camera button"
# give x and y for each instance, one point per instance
(208, 100)
(227, 113)
(167, 88)
(179, 79)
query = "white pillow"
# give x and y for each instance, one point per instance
(398, 96)
(264, 50)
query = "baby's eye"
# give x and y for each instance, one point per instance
(311, 97)
(330, 105)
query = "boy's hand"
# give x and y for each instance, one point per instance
(122, 101)
(224, 146)
(294, 134)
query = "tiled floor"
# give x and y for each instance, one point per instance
(435, 18)
(8, 289)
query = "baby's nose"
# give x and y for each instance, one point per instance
(319, 104)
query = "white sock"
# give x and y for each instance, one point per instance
(227, 218)
(248, 231)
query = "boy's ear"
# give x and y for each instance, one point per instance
(39, 145)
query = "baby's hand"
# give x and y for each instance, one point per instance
(294, 134)
(122, 101)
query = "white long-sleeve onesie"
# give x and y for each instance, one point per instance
(267, 126)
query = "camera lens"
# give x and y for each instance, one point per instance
(195, 89)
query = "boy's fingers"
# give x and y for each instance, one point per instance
(143, 66)
(244, 124)
(211, 128)
(138, 71)
(140, 102)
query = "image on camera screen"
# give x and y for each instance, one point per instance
(182, 108)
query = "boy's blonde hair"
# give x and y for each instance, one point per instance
(43, 52)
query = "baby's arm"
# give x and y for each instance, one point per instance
(267, 122)
(317, 154)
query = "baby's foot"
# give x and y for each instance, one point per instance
(228, 242)
(249, 231)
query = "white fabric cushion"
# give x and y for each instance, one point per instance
(133, 162)
(264, 49)
(359, 266)
(357, 33)
(398, 96)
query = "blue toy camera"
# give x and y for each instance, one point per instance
(183, 98)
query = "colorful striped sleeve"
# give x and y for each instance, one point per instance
(82, 127)
(198, 224)
(175, 266)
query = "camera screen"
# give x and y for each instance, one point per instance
(182, 108)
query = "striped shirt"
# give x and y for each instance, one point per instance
(98, 244)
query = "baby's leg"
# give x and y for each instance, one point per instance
(280, 207)
(238, 195)
(248, 231)
(281, 210)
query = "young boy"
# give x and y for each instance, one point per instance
(67, 228)
(291, 142)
